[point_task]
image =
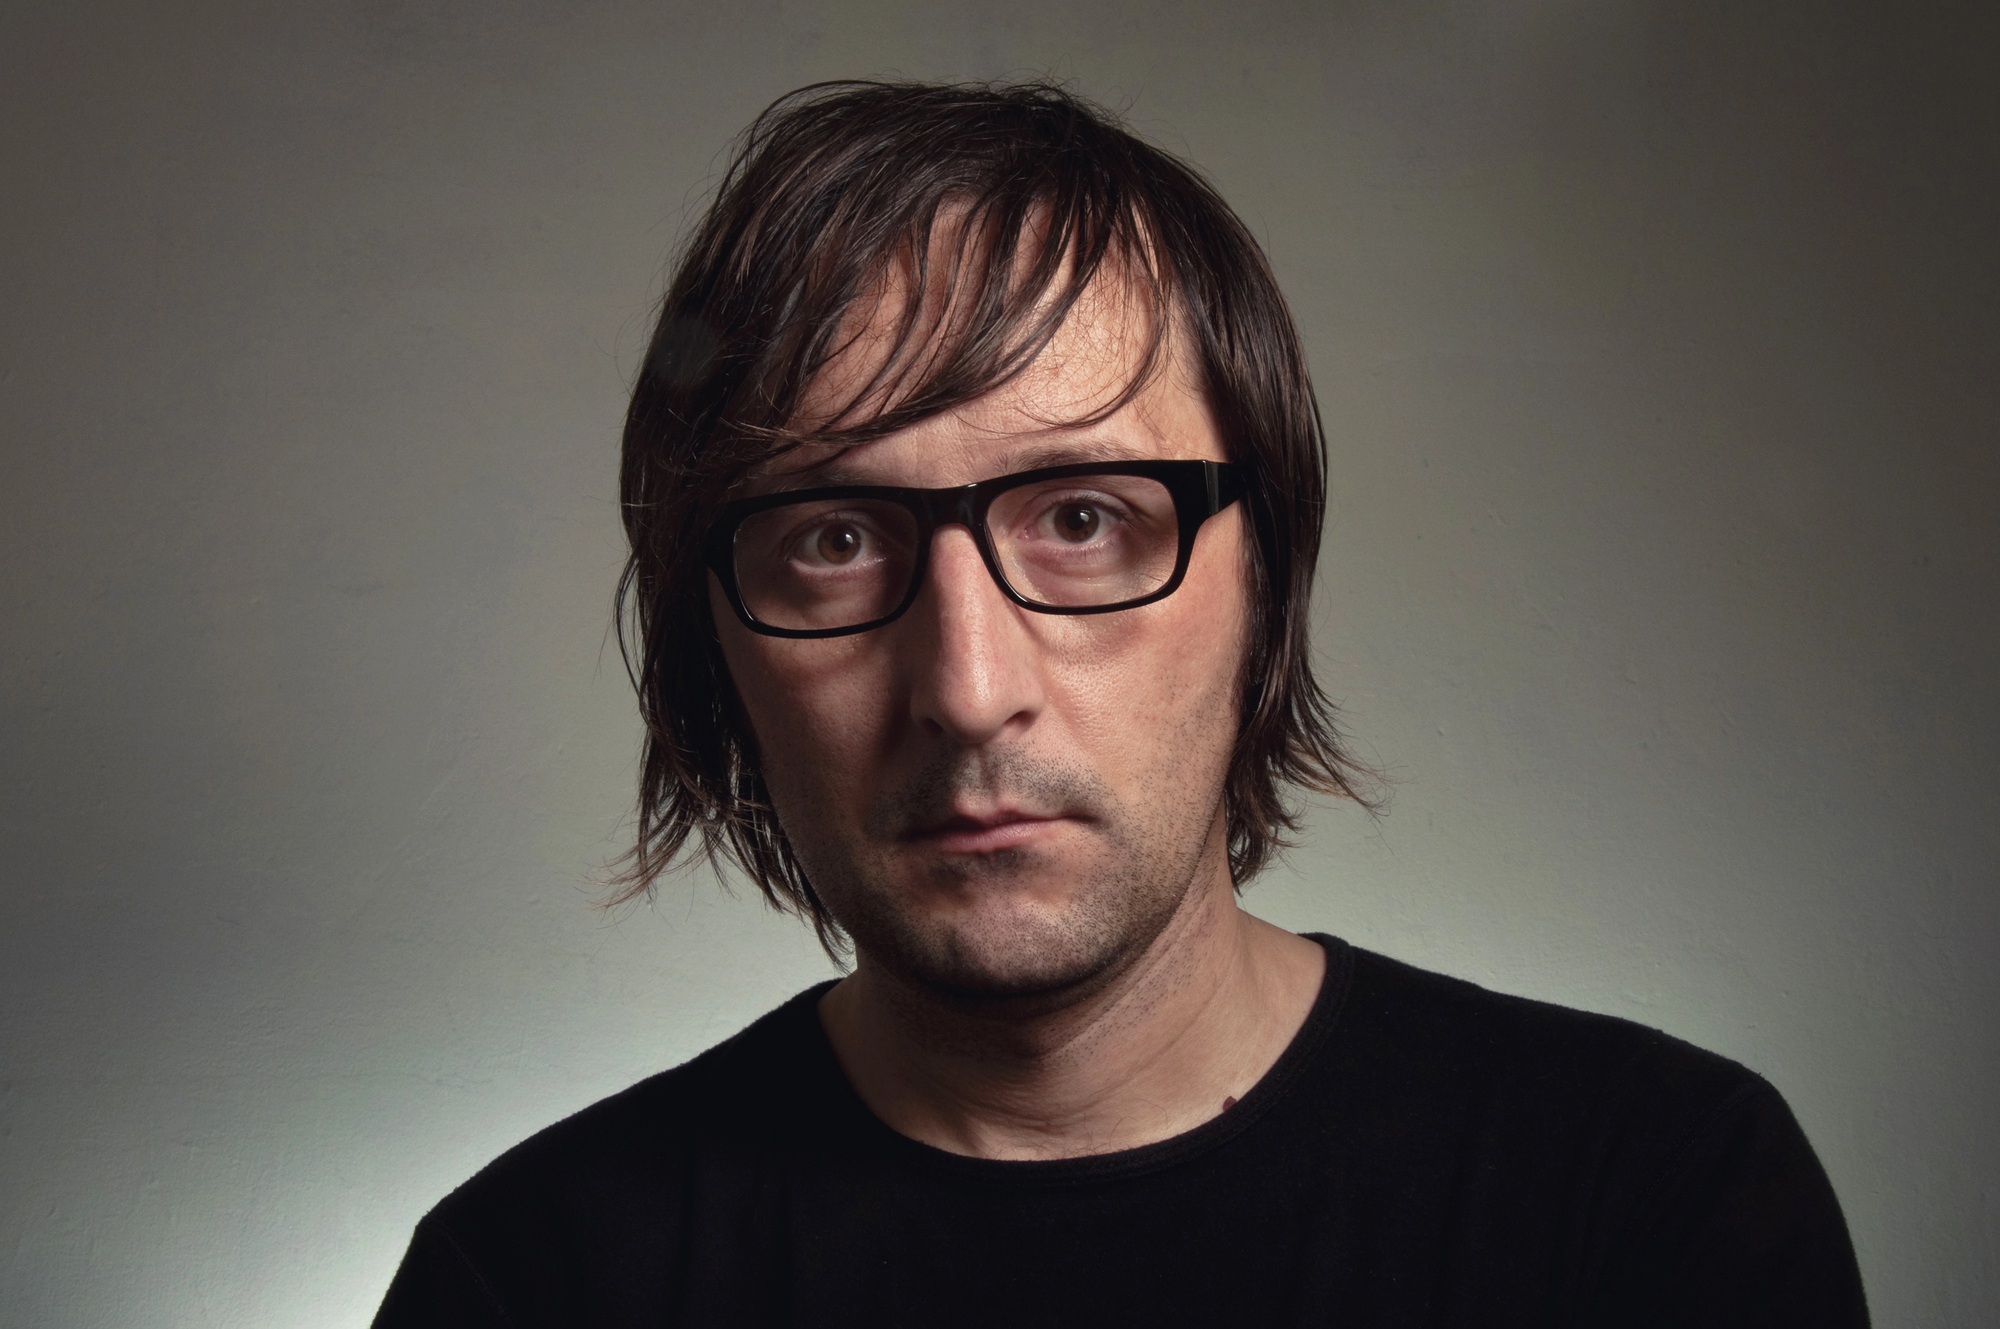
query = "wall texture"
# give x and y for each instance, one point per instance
(1658, 347)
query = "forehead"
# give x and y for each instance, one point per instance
(1113, 382)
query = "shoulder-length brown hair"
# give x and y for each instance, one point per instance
(1028, 191)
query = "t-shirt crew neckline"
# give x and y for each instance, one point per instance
(1254, 1105)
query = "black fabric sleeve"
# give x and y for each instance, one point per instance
(1744, 1230)
(436, 1285)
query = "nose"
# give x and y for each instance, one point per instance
(972, 659)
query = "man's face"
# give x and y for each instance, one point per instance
(992, 801)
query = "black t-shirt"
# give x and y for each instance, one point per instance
(1424, 1153)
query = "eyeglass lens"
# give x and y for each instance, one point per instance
(1076, 542)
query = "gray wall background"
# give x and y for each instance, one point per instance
(1657, 343)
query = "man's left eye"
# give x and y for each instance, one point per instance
(1077, 522)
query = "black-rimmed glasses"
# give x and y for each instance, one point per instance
(1083, 539)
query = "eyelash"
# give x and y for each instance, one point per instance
(1102, 503)
(799, 539)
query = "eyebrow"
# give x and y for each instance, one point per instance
(840, 471)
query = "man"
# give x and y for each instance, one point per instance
(974, 486)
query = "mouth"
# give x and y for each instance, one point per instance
(986, 833)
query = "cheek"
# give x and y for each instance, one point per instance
(1157, 689)
(812, 706)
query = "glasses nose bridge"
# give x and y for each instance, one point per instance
(960, 505)
(956, 506)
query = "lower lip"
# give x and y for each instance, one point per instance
(990, 839)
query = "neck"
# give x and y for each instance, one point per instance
(1163, 1045)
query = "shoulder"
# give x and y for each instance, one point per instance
(1430, 1033)
(732, 1090)
(578, 1214)
(1677, 1180)
(1543, 1094)
(1700, 1190)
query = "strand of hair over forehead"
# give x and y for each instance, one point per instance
(1017, 177)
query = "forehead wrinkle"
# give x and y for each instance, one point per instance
(1027, 455)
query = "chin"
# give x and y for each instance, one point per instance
(995, 963)
(1001, 940)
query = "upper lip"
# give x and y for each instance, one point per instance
(961, 820)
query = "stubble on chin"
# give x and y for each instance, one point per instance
(1016, 924)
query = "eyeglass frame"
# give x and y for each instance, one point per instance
(1199, 489)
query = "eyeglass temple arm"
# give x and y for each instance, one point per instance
(1225, 484)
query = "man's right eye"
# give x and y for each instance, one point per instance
(836, 542)
(832, 541)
